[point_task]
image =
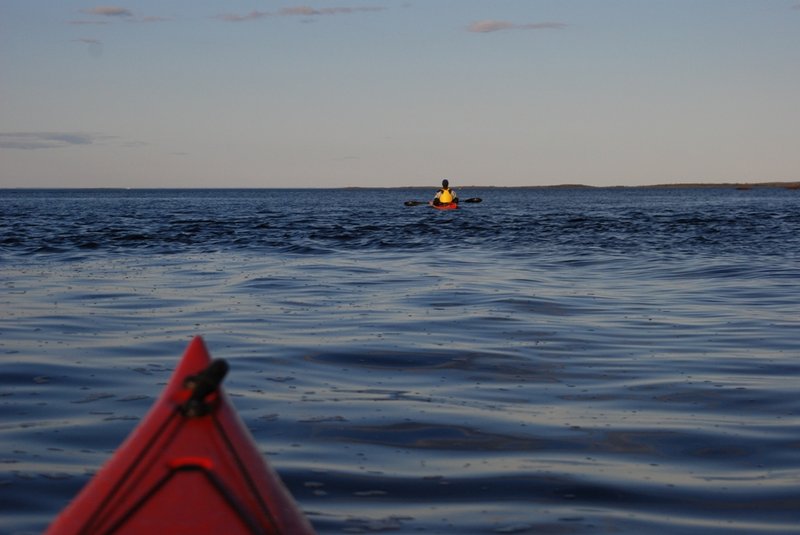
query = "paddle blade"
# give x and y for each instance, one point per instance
(414, 203)
(473, 199)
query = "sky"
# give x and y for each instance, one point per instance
(357, 93)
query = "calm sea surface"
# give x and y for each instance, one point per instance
(547, 361)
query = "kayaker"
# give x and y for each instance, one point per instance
(445, 195)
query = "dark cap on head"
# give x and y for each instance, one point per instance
(445, 183)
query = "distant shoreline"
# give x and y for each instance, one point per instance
(677, 185)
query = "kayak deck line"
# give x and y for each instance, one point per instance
(190, 466)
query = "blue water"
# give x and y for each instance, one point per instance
(546, 361)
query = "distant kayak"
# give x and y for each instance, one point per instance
(190, 466)
(445, 205)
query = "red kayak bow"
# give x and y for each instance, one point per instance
(190, 466)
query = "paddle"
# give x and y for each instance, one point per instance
(417, 203)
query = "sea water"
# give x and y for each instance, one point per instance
(546, 361)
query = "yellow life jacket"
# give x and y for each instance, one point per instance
(445, 197)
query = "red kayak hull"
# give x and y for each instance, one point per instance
(185, 473)
(445, 206)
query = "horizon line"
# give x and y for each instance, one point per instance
(767, 184)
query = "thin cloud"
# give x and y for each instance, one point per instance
(109, 11)
(155, 19)
(253, 15)
(488, 26)
(95, 46)
(114, 12)
(299, 11)
(311, 12)
(44, 140)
